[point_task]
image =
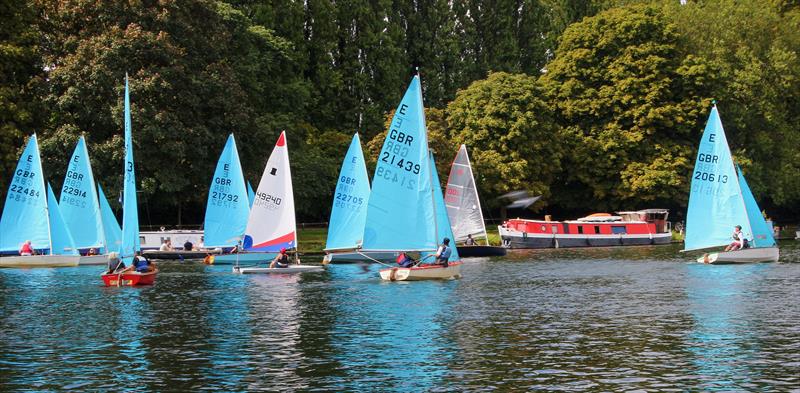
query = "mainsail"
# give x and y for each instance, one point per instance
(271, 224)
(461, 198)
(111, 229)
(251, 195)
(60, 236)
(400, 214)
(24, 215)
(130, 214)
(349, 211)
(228, 206)
(443, 228)
(78, 202)
(715, 199)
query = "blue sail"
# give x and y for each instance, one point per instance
(443, 228)
(251, 195)
(715, 200)
(228, 205)
(349, 211)
(111, 230)
(130, 214)
(762, 233)
(400, 212)
(60, 236)
(78, 203)
(24, 215)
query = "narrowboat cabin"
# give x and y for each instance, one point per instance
(627, 228)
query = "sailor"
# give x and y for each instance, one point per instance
(404, 260)
(26, 249)
(114, 263)
(443, 253)
(141, 264)
(281, 260)
(738, 239)
(470, 241)
(92, 251)
(187, 246)
(166, 246)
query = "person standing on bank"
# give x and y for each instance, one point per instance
(443, 253)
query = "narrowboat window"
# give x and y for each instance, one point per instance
(596, 230)
(618, 229)
(543, 228)
(555, 228)
(580, 228)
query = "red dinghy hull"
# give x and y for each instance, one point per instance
(129, 279)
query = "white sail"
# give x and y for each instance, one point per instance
(271, 224)
(461, 199)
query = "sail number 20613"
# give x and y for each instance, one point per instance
(698, 175)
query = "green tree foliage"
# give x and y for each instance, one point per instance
(510, 133)
(752, 49)
(19, 63)
(629, 103)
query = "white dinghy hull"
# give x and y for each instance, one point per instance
(428, 272)
(93, 260)
(357, 257)
(40, 261)
(748, 255)
(292, 269)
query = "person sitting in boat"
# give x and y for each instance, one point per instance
(281, 260)
(443, 253)
(92, 251)
(738, 239)
(26, 250)
(187, 246)
(166, 246)
(114, 263)
(141, 264)
(404, 260)
(470, 241)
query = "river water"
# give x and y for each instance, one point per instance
(611, 319)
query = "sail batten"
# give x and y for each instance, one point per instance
(349, 211)
(228, 204)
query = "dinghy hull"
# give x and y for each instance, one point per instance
(246, 258)
(481, 251)
(748, 255)
(355, 257)
(129, 279)
(426, 272)
(40, 261)
(292, 269)
(179, 255)
(93, 260)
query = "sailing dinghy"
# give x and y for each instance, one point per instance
(719, 200)
(349, 211)
(31, 212)
(464, 209)
(130, 243)
(271, 223)
(402, 212)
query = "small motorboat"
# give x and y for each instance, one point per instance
(422, 272)
(747, 255)
(129, 279)
(291, 269)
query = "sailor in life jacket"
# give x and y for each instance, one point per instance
(443, 253)
(281, 260)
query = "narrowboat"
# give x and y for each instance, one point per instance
(627, 228)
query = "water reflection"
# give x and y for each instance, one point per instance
(599, 319)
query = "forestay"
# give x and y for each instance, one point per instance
(349, 211)
(271, 224)
(130, 214)
(461, 199)
(400, 212)
(715, 199)
(228, 205)
(60, 237)
(78, 201)
(111, 229)
(762, 233)
(24, 215)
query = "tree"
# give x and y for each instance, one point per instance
(513, 139)
(629, 102)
